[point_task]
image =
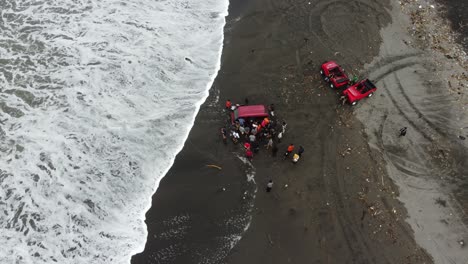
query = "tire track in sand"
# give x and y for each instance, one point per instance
(402, 113)
(329, 28)
(354, 238)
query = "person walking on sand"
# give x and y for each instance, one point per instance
(289, 150)
(269, 186)
(403, 132)
(269, 144)
(228, 104)
(271, 109)
(283, 127)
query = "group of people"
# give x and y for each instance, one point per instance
(296, 155)
(254, 132)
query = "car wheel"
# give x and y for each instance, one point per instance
(332, 86)
(354, 103)
(370, 95)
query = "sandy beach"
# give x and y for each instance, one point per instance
(359, 194)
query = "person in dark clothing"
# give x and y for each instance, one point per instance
(255, 146)
(249, 154)
(271, 109)
(300, 151)
(289, 150)
(224, 135)
(403, 132)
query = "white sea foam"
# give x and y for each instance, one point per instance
(96, 99)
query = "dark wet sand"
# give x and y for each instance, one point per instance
(339, 206)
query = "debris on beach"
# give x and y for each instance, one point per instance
(214, 166)
(431, 32)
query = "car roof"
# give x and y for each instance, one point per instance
(251, 111)
(330, 64)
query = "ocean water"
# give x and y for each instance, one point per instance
(96, 99)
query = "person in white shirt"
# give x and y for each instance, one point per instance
(269, 186)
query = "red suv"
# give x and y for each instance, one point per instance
(249, 111)
(358, 91)
(334, 74)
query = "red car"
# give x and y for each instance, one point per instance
(358, 91)
(249, 111)
(334, 74)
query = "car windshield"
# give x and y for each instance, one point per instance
(341, 80)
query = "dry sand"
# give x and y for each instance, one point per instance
(338, 204)
(430, 164)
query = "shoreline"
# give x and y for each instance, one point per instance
(137, 251)
(338, 196)
(179, 212)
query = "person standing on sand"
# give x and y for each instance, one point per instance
(353, 80)
(242, 130)
(269, 186)
(224, 135)
(300, 151)
(255, 146)
(247, 145)
(254, 130)
(247, 130)
(403, 132)
(271, 109)
(343, 99)
(265, 122)
(249, 154)
(235, 137)
(258, 129)
(295, 158)
(270, 143)
(289, 150)
(280, 136)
